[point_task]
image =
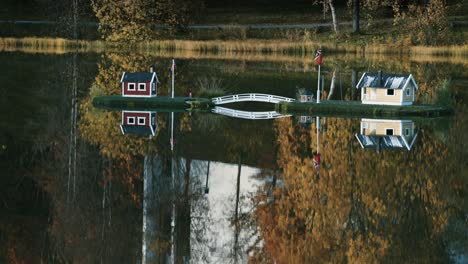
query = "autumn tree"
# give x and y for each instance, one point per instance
(426, 21)
(125, 20)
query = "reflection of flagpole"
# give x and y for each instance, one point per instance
(172, 131)
(318, 126)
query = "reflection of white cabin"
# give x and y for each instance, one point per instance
(387, 89)
(139, 122)
(386, 134)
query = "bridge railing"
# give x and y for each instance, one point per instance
(255, 97)
(246, 114)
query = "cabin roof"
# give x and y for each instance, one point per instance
(384, 142)
(139, 130)
(139, 77)
(389, 81)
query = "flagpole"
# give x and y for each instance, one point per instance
(172, 70)
(318, 85)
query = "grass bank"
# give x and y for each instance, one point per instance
(233, 47)
(117, 102)
(354, 108)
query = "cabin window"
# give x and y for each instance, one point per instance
(408, 92)
(131, 87)
(389, 131)
(130, 120)
(407, 131)
(142, 87)
(141, 120)
(153, 87)
(364, 90)
(390, 92)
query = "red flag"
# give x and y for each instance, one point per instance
(173, 66)
(318, 56)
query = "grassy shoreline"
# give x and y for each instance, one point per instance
(117, 102)
(248, 46)
(331, 108)
(355, 108)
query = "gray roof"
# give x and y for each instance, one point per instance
(138, 130)
(389, 81)
(384, 142)
(139, 77)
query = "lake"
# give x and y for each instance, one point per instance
(78, 185)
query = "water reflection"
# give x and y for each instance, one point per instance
(359, 210)
(381, 134)
(142, 123)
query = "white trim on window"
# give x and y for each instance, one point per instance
(408, 91)
(130, 120)
(141, 120)
(129, 85)
(393, 90)
(388, 133)
(140, 85)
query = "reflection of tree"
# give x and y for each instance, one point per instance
(362, 208)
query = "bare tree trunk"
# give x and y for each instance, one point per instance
(72, 137)
(333, 13)
(332, 85)
(324, 9)
(356, 16)
(236, 248)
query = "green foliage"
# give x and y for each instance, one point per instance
(210, 87)
(443, 95)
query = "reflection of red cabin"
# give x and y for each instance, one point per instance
(139, 84)
(139, 122)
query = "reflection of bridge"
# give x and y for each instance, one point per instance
(250, 97)
(246, 114)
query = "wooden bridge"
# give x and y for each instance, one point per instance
(250, 97)
(247, 115)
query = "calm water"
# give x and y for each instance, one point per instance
(209, 188)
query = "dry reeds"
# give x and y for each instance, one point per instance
(253, 49)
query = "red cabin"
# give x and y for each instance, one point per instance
(139, 84)
(139, 122)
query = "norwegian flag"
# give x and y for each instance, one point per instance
(173, 67)
(318, 56)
